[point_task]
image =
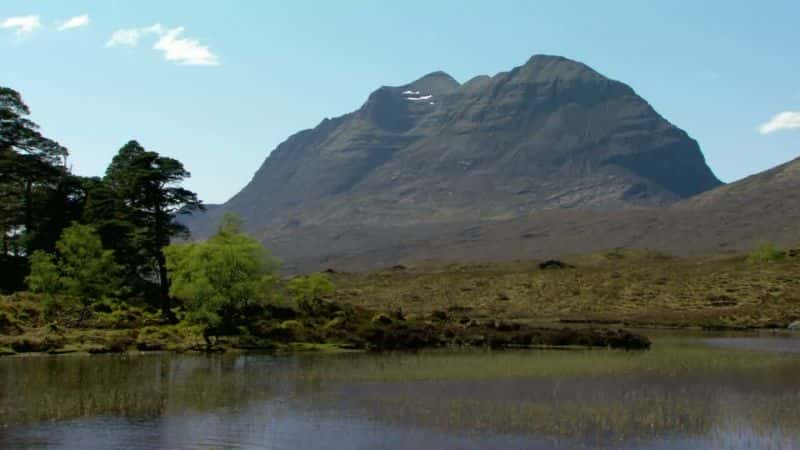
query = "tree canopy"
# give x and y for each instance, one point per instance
(132, 210)
(146, 187)
(31, 167)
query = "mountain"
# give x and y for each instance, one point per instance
(729, 219)
(435, 155)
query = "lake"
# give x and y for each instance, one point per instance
(690, 391)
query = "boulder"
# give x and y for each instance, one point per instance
(554, 264)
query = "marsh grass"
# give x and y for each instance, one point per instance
(670, 357)
(677, 390)
(681, 389)
(119, 385)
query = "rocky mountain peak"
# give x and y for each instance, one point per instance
(548, 68)
(550, 134)
(434, 83)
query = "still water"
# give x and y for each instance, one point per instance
(688, 392)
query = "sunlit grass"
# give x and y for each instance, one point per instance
(633, 288)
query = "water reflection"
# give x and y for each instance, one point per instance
(679, 395)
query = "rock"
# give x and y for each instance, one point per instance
(554, 264)
(794, 326)
(382, 318)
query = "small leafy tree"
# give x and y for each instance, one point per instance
(82, 271)
(220, 278)
(307, 292)
(44, 277)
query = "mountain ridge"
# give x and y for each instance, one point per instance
(711, 223)
(417, 164)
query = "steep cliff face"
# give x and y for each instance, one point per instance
(552, 133)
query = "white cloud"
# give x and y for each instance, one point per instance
(185, 51)
(74, 22)
(787, 120)
(130, 36)
(175, 48)
(22, 25)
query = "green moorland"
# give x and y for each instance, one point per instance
(632, 288)
(516, 304)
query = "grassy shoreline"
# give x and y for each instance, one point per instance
(501, 305)
(327, 327)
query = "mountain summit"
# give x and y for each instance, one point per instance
(552, 133)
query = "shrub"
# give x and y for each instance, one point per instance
(153, 338)
(8, 324)
(122, 316)
(766, 252)
(307, 293)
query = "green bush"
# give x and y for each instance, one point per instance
(8, 324)
(307, 293)
(20, 310)
(766, 252)
(123, 316)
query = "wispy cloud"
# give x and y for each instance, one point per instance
(175, 48)
(22, 25)
(787, 120)
(130, 37)
(74, 22)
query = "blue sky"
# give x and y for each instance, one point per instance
(218, 84)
